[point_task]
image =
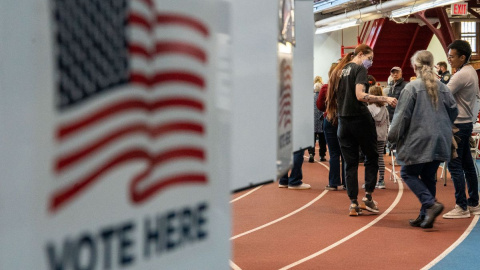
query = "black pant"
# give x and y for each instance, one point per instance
(355, 131)
(322, 143)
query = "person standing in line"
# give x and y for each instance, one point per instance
(464, 87)
(346, 99)
(296, 175)
(317, 125)
(397, 85)
(380, 115)
(336, 174)
(425, 105)
(443, 72)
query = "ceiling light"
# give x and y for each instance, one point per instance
(339, 26)
(424, 6)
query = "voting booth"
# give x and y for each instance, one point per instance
(111, 124)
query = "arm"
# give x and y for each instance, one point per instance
(322, 97)
(364, 97)
(455, 83)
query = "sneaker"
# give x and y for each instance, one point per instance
(355, 210)
(369, 205)
(328, 187)
(302, 186)
(432, 213)
(457, 212)
(282, 186)
(311, 159)
(323, 159)
(474, 210)
(380, 185)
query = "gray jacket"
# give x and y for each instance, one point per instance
(421, 132)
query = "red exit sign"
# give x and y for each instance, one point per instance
(459, 9)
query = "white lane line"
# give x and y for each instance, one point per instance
(454, 245)
(280, 218)
(328, 168)
(234, 266)
(395, 202)
(246, 194)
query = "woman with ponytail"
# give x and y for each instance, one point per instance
(422, 130)
(347, 105)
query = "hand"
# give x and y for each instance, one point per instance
(392, 101)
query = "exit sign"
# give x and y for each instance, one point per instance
(459, 9)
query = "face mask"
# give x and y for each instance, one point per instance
(367, 63)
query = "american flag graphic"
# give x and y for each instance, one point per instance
(130, 89)
(285, 103)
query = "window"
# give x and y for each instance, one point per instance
(469, 33)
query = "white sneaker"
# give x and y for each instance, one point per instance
(457, 212)
(302, 186)
(474, 210)
(380, 185)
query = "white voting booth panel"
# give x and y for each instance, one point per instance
(255, 90)
(256, 83)
(303, 76)
(112, 142)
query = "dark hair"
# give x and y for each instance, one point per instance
(371, 80)
(442, 64)
(462, 47)
(334, 79)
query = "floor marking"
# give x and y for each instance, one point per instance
(454, 245)
(328, 168)
(281, 218)
(234, 266)
(246, 194)
(395, 202)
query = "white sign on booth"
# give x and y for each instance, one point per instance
(128, 131)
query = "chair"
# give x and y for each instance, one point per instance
(393, 174)
(474, 150)
(444, 166)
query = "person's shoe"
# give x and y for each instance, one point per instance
(380, 185)
(344, 187)
(474, 210)
(311, 159)
(355, 210)
(416, 222)
(457, 212)
(328, 187)
(302, 186)
(323, 159)
(369, 205)
(282, 186)
(432, 213)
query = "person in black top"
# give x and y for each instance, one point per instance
(346, 104)
(443, 73)
(398, 83)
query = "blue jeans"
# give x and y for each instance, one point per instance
(334, 179)
(296, 175)
(462, 168)
(420, 178)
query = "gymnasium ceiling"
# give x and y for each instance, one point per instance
(326, 10)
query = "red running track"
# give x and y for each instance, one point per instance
(277, 228)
